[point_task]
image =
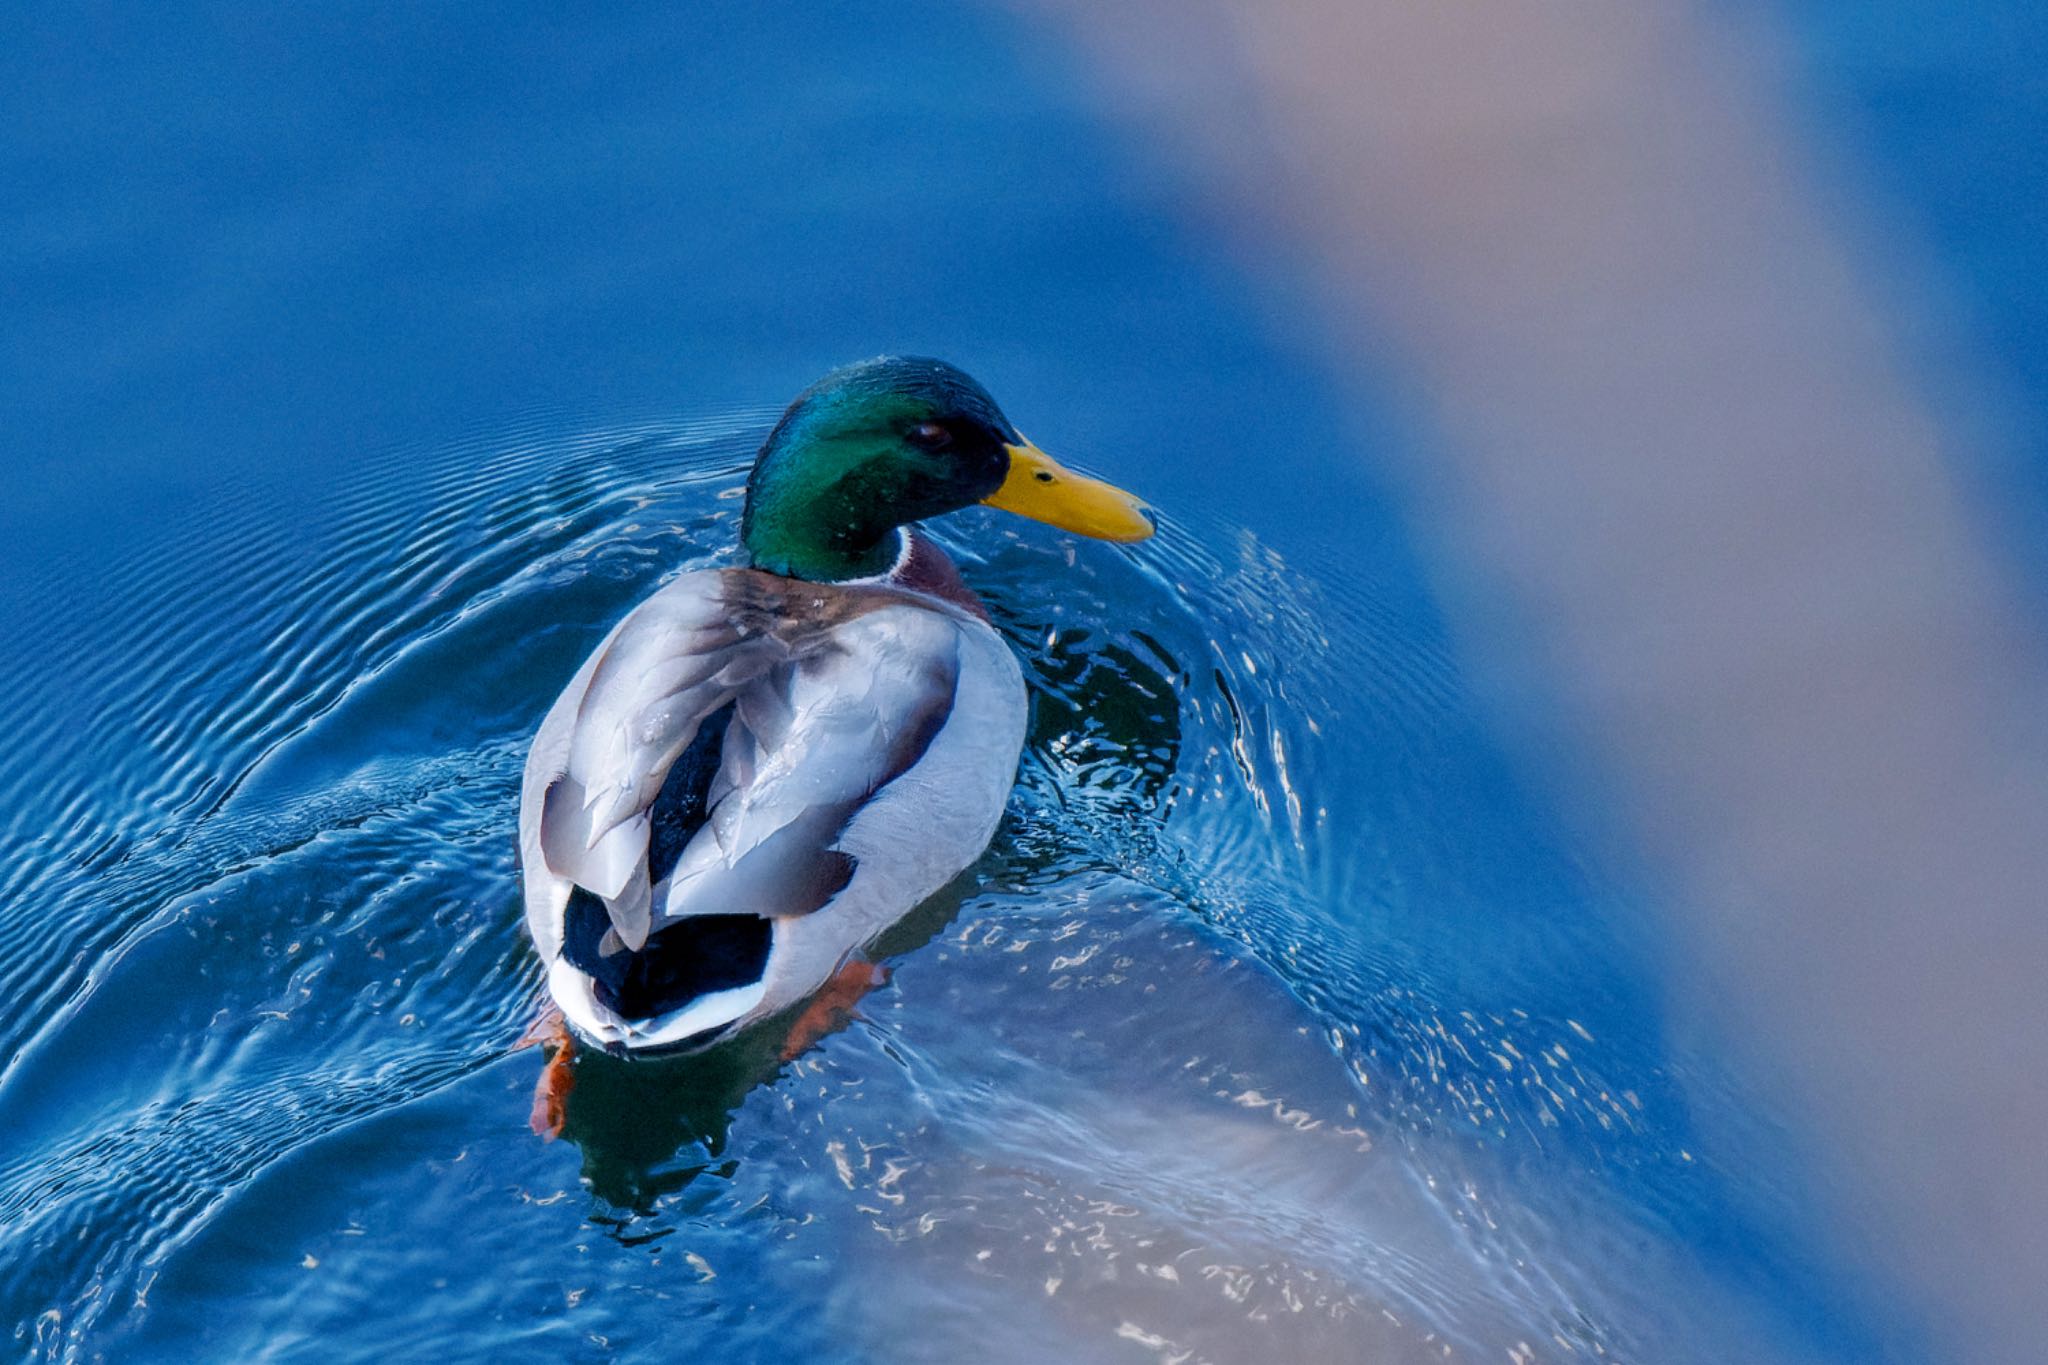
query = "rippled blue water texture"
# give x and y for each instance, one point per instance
(1258, 1002)
(371, 366)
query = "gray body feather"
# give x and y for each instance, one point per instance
(872, 746)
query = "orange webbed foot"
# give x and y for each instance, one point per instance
(546, 1026)
(833, 1005)
(557, 1076)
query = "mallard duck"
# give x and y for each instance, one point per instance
(761, 768)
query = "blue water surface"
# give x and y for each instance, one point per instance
(366, 362)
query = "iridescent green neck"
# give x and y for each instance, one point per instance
(826, 506)
(803, 546)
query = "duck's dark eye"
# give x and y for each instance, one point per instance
(930, 436)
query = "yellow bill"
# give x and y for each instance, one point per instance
(1041, 488)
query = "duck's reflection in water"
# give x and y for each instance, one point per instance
(649, 1126)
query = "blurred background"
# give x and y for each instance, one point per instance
(1541, 861)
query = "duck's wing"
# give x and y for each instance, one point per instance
(811, 742)
(601, 754)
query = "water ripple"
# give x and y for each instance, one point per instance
(259, 891)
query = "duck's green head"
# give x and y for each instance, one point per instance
(877, 445)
